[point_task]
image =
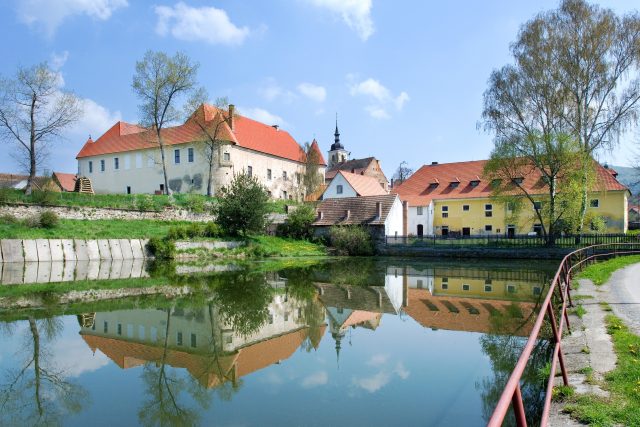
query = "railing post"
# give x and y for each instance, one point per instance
(518, 407)
(558, 338)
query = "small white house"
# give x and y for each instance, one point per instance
(346, 184)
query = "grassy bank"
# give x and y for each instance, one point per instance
(600, 272)
(623, 405)
(284, 247)
(94, 229)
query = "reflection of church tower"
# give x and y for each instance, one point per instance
(337, 154)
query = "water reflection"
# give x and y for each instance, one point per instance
(195, 358)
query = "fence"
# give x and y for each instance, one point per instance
(503, 241)
(561, 284)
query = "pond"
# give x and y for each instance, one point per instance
(339, 342)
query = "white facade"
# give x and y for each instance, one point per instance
(393, 225)
(420, 216)
(140, 171)
(339, 187)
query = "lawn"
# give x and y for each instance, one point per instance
(284, 247)
(91, 229)
(599, 273)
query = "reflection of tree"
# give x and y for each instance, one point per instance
(164, 388)
(300, 287)
(243, 302)
(38, 391)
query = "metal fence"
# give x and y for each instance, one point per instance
(558, 319)
(498, 241)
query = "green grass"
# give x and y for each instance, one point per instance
(623, 406)
(600, 272)
(284, 247)
(579, 311)
(91, 229)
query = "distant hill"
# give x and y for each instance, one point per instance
(629, 177)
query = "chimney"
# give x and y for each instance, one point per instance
(275, 127)
(434, 163)
(347, 214)
(232, 111)
(379, 209)
(320, 215)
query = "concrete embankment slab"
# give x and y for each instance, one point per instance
(93, 250)
(68, 275)
(103, 247)
(116, 269)
(57, 271)
(68, 250)
(30, 250)
(137, 249)
(44, 251)
(81, 250)
(104, 270)
(30, 272)
(125, 248)
(93, 270)
(12, 273)
(12, 250)
(57, 253)
(44, 272)
(115, 249)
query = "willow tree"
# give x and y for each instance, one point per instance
(161, 82)
(34, 112)
(580, 67)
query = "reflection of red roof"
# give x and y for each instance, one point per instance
(419, 189)
(247, 133)
(358, 317)
(363, 185)
(67, 181)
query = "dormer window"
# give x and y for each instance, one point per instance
(517, 180)
(496, 183)
(454, 184)
(474, 183)
(433, 185)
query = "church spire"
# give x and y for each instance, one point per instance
(336, 144)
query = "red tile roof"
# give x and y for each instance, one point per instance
(363, 185)
(67, 181)
(362, 210)
(358, 166)
(246, 133)
(417, 191)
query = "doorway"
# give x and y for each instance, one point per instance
(511, 231)
(420, 230)
(466, 231)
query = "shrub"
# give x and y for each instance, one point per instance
(5, 195)
(351, 240)
(32, 221)
(195, 203)
(242, 207)
(211, 229)
(298, 224)
(144, 202)
(162, 248)
(8, 219)
(49, 219)
(44, 197)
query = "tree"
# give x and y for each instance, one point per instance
(558, 161)
(312, 178)
(34, 111)
(160, 82)
(580, 66)
(298, 224)
(402, 173)
(242, 206)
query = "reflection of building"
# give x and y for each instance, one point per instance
(199, 340)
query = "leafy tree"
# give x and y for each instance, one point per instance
(242, 206)
(312, 178)
(351, 240)
(402, 173)
(575, 72)
(34, 112)
(298, 224)
(160, 82)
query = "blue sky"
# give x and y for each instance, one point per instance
(405, 77)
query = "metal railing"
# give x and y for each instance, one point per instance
(561, 284)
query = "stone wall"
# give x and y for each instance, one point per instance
(480, 252)
(26, 211)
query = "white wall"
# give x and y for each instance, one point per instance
(332, 190)
(426, 219)
(393, 224)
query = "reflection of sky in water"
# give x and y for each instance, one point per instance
(400, 371)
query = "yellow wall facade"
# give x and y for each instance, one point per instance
(458, 214)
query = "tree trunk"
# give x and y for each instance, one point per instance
(210, 179)
(164, 164)
(32, 147)
(36, 362)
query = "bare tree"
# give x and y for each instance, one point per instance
(34, 111)
(160, 82)
(402, 173)
(581, 61)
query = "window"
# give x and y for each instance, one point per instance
(101, 165)
(465, 208)
(496, 183)
(141, 332)
(537, 228)
(339, 189)
(119, 328)
(537, 205)
(284, 195)
(488, 210)
(226, 157)
(537, 290)
(105, 327)
(193, 340)
(433, 185)
(269, 174)
(445, 230)
(488, 214)
(445, 214)
(488, 207)
(129, 330)
(127, 162)
(151, 162)
(445, 209)
(286, 316)
(474, 183)
(116, 163)
(250, 170)
(90, 166)
(179, 338)
(517, 180)
(454, 184)
(128, 189)
(511, 289)
(419, 209)
(466, 287)
(445, 286)
(594, 203)
(511, 206)
(176, 156)
(297, 177)
(488, 288)
(229, 339)
(190, 155)
(419, 283)
(138, 161)
(488, 228)
(284, 175)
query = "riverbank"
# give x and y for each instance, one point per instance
(601, 353)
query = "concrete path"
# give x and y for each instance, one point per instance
(624, 296)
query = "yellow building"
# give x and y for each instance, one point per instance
(455, 199)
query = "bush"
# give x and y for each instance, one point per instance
(49, 219)
(44, 197)
(8, 219)
(194, 230)
(32, 221)
(195, 203)
(144, 202)
(242, 207)
(5, 195)
(162, 248)
(298, 225)
(351, 240)
(211, 229)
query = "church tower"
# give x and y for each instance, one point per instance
(337, 154)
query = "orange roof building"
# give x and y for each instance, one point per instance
(346, 184)
(127, 158)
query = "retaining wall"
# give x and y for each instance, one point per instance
(66, 250)
(501, 253)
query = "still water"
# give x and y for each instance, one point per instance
(352, 342)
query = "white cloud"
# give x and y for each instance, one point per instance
(262, 115)
(313, 92)
(315, 380)
(272, 91)
(378, 360)
(206, 24)
(84, 361)
(58, 60)
(401, 371)
(379, 94)
(50, 14)
(373, 383)
(355, 13)
(95, 120)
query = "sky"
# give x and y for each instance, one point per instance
(405, 78)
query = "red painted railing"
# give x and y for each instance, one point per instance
(561, 284)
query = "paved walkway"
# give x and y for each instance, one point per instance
(589, 345)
